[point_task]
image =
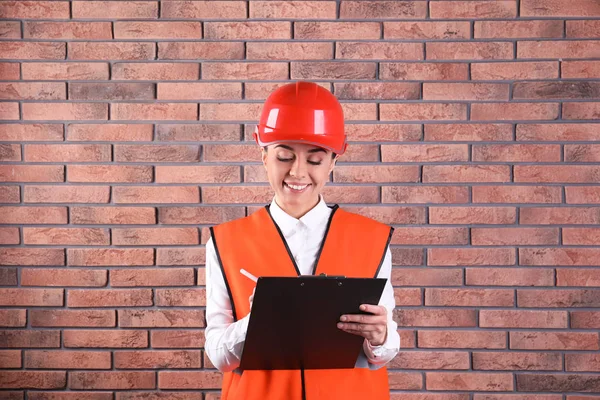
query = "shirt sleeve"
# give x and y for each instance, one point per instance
(224, 337)
(379, 356)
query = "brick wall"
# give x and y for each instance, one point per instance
(126, 133)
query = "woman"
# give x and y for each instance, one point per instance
(301, 132)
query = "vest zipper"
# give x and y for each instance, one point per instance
(303, 387)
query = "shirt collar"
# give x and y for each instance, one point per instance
(311, 219)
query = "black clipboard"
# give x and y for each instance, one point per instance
(293, 323)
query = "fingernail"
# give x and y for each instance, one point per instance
(343, 318)
(340, 326)
(363, 308)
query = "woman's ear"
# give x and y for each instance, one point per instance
(264, 155)
(333, 161)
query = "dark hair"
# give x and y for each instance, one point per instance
(333, 155)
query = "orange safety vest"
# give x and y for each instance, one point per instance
(256, 244)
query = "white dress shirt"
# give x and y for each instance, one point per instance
(225, 338)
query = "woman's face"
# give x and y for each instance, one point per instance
(297, 174)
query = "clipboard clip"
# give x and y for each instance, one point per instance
(323, 275)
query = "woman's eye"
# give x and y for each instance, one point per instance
(315, 162)
(284, 159)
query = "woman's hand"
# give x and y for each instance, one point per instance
(372, 327)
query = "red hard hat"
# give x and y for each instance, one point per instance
(302, 112)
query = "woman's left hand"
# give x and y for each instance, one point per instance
(372, 327)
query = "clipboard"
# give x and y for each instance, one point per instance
(293, 323)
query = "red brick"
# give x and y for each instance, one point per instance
(586, 320)
(582, 153)
(68, 30)
(581, 236)
(383, 132)
(158, 30)
(405, 380)
(553, 341)
(293, 10)
(110, 132)
(197, 174)
(245, 70)
(470, 256)
(472, 215)
(424, 194)
(261, 90)
(72, 318)
(407, 297)
(10, 359)
(33, 379)
(473, 9)
(557, 173)
(582, 362)
(582, 194)
(427, 276)
(229, 111)
(562, 215)
(583, 29)
(558, 132)
(333, 70)
(154, 236)
(577, 276)
(517, 153)
(514, 236)
(110, 257)
(33, 91)
(31, 256)
(559, 298)
(376, 174)
(239, 194)
(156, 194)
(111, 51)
(557, 8)
(152, 277)
(33, 50)
(430, 360)
(188, 338)
(231, 153)
(110, 10)
(563, 256)
(240, 30)
(10, 194)
(465, 91)
(558, 49)
(158, 359)
(182, 256)
(556, 90)
(110, 298)
(198, 132)
(33, 215)
(9, 236)
(377, 91)
(35, 9)
(581, 111)
(203, 50)
(392, 215)
(12, 30)
(112, 380)
(189, 297)
(426, 30)
(14, 338)
(468, 132)
(157, 111)
(514, 70)
(10, 152)
(424, 71)
(112, 215)
(288, 50)
(66, 194)
(423, 111)
(462, 339)
(64, 111)
(517, 361)
(580, 69)
(64, 359)
(10, 70)
(109, 173)
(424, 153)
(199, 91)
(383, 10)
(345, 194)
(111, 91)
(359, 111)
(435, 317)
(466, 173)
(518, 29)
(379, 51)
(516, 194)
(469, 297)
(161, 318)
(430, 236)
(32, 173)
(63, 277)
(9, 111)
(155, 71)
(67, 236)
(67, 153)
(156, 153)
(337, 30)
(514, 111)
(65, 71)
(522, 319)
(31, 297)
(204, 9)
(504, 276)
(469, 51)
(99, 338)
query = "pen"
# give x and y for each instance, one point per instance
(248, 275)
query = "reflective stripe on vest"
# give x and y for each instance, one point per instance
(353, 246)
